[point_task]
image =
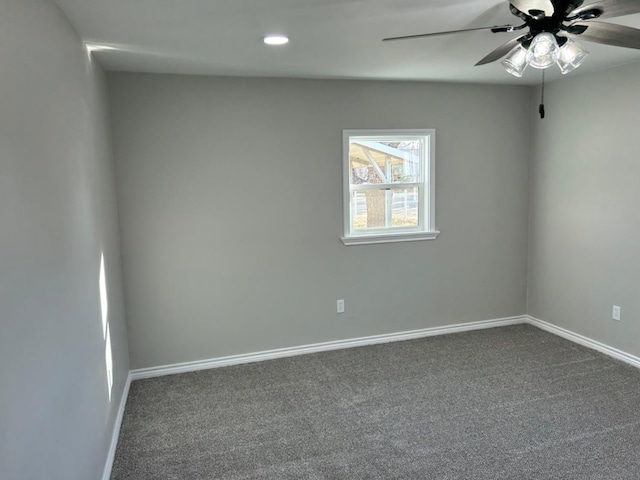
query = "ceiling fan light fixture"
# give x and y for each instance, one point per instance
(543, 51)
(570, 56)
(515, 62)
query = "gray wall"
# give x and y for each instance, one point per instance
(57, 211)
(585, 224)
(230, 202)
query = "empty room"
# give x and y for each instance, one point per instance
(313, 239)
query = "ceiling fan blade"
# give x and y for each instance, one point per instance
(501, 51)
(608, 34)
(450, 32)
(525, 5)
(611, 8)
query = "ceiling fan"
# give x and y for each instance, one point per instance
(553, 26)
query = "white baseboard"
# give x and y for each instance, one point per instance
(106, 475)
(151, 372)
(584, 341)
(319, 347)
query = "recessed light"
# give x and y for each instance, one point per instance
(275, 39)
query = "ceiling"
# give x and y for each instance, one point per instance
(329, 38)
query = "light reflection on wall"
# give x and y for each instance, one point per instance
(104, 307)
(93, 47)
(104, 303)
(109, 362)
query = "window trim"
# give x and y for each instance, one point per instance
(426, 229)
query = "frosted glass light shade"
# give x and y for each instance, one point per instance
(571, 55)
(543, 51)
(516, 61)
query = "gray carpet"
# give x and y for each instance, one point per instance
(512, 402)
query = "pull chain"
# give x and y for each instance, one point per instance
(541, 108)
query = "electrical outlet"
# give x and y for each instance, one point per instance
(616, 313)
(340, 306)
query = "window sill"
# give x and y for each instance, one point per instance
(392, 238)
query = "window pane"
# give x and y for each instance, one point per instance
(385, 160)
(398, 207)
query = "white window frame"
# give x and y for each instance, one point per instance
(426, 211)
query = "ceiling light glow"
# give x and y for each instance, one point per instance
(275, 39)
(543, 53)
(571, 56)
(516, 61)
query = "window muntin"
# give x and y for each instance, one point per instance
(388, 184)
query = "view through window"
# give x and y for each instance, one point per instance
(388, 182)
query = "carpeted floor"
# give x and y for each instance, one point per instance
(512, 402)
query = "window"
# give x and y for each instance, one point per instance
(388, 186)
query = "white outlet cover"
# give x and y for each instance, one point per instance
(616, 313)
